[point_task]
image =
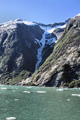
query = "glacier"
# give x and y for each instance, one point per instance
(47, 31)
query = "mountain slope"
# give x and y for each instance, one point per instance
(18, 49)
(63, 65)
(24, 46)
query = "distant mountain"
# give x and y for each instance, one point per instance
(62, 67)
(24, 46)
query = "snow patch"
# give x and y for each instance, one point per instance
(53, 29)
(13, 24)
(78, 14)
(39, 55)
(50, 41)
(47, 31)
(37, 41)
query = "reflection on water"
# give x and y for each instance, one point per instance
(39, 103)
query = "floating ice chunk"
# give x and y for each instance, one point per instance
(16, 99)
(61, 89)
(10, 118)
(26, 91)
(76, 95)
(68, 99)
(41, 92)
(3, 88)
(75, 88)
(65, 88)
(28, 87)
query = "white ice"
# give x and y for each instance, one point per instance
(13, 24)
(76, 95)
(78, 14)
(68, 99)
(26, 91)
(39, 55)
(16, 99)
(47, 30)
(61, 89)
(41, 92)
(3, 88)
(10, 118)
(52, 29)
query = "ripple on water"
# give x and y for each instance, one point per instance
(10, 118)
(13, 90)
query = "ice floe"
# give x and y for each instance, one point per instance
(41, 92)
(68, 99)
(61, 89)
(78, 95)
(16, 99)
(10, 118)
(3, 88)
(26, 91)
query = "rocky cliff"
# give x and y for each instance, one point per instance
(18, 49)
(62, 67)
(24, 46)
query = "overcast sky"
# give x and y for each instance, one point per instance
(42, 11)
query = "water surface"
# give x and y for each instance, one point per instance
(37, 103)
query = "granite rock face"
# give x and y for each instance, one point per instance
(24, 47)
(18, 49)
(62, 67)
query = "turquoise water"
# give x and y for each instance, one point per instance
(35, 103)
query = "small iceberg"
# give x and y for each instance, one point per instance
(3, 88)
(16, 99)
(68, 99)
(61, 89)
(26, 91)
(41, 92)
(76, 95)
(29, 87)
(10, 118)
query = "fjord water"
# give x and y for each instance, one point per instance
(39, 103)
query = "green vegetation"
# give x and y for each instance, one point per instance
(75, 83)
(64, 58)
(16, 77)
